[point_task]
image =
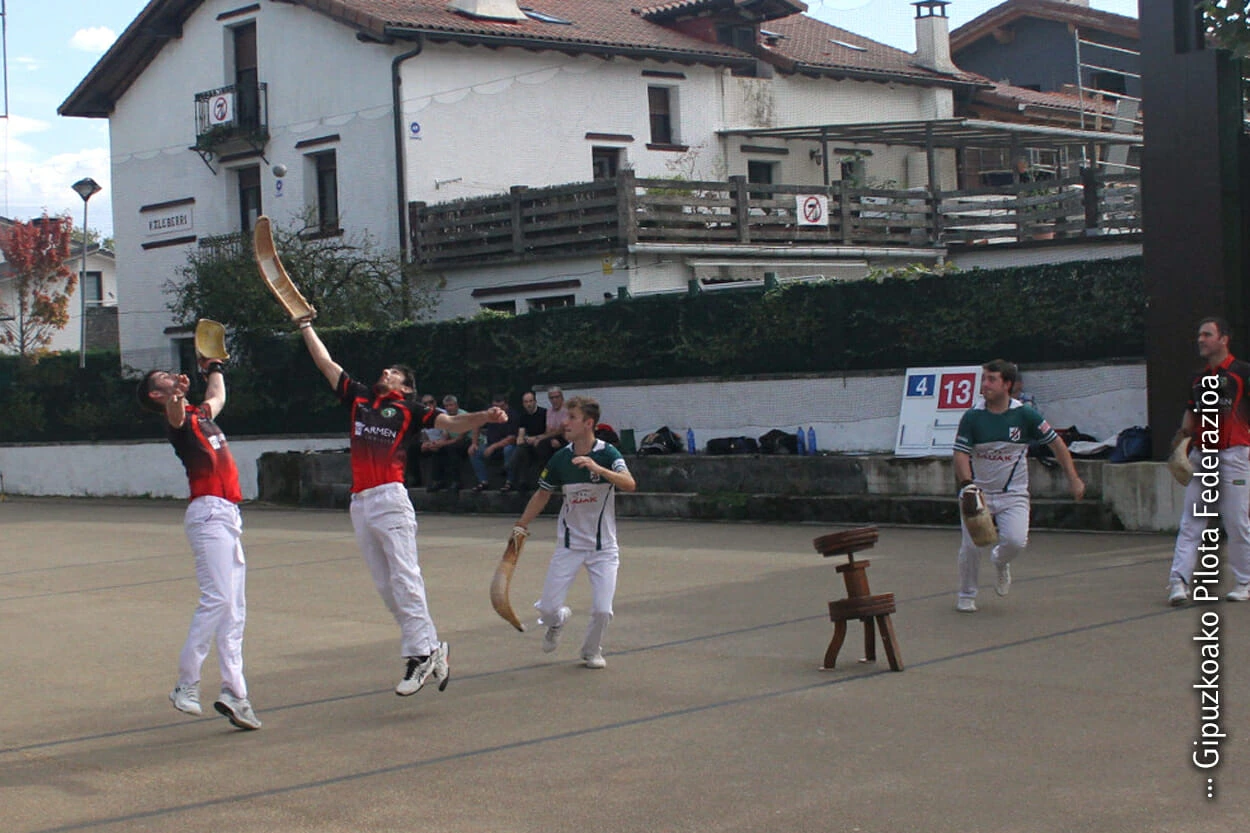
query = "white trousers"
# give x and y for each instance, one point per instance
(386, 531)
(214, 527)
(601, 567)
(1011, 516)
(1233, 508)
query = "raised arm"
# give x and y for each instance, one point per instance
(320, 355)
(215, 393)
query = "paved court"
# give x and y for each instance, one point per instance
(1067, 706)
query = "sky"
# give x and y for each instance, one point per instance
(51, 45)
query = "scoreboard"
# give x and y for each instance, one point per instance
(934, 399)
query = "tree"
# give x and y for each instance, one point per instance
(35, 294)
(1228, 21)
(348, 279)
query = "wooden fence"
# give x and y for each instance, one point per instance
(613, 214)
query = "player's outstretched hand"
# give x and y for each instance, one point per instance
(1077, 486)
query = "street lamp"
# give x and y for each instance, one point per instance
(85, 188)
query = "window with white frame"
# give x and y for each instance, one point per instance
(662, 107)
(325, 176)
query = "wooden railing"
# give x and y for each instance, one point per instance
(599, 216)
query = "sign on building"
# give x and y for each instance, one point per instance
(934, 398)
(812, 209)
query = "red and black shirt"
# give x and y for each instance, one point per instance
(382, 428)
(206, 456)
(1232, 409)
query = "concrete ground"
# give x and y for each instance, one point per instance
(1067, 706)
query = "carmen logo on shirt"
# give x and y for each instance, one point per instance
(375, 431)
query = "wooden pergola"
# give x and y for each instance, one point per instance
(935, 134)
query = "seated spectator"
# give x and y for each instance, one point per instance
(496, 442)
(531, 425)
(428, 446)
(448, 452)
(552, 440)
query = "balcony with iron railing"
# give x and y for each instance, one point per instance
(232, 118)
(531, 223)
(226, 246)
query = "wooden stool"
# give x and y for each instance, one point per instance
(859, 602)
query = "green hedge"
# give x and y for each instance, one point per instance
(1082, 311)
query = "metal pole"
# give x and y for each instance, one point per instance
(82, 293)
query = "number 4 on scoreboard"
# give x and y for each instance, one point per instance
(921, 384)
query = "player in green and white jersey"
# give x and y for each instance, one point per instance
(589, 472)
(991, 447)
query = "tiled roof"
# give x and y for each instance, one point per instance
(601, 26)
(1091, 103)
(816, 45)
(1011, 10)
(755, 9)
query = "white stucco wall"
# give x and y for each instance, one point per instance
(70, 338)
(134, 469)
(853, 414)
(329, 84)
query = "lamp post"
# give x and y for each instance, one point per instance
(85, 188)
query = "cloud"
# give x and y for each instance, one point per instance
(34, 182)
(94, 39)
(25, 63)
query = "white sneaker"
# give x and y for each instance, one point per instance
(420, 669)
(1178, 593)
(1002, 584)
(237, 710)
(966, 605)
(596, 660)
(1240, 593)
(551, 639)
(186, 698)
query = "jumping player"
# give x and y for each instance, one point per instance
(385, 419)
(589, 471)
(1217, 418)
(214, 527)
(991, 445)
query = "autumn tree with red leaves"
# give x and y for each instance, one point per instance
(35, 283)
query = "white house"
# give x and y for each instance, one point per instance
(374, 109)
(99, 303)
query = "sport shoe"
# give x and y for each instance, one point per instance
(1240, 593)
(595, 661)
(186, 698)
(551, 639)
(420, 669)
(1002, 584)
(237, 710)
(965, 605)
(1178, 593)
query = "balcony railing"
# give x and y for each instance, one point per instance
(237, 114)
(610, 214)
(226, 246)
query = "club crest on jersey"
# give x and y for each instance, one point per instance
(1014, 433)
(387, 413)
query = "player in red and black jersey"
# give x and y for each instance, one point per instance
(1218, 420)
(214, 528)
(384, 421)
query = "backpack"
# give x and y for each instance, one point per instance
(660, 441)
(732, 445)
(608, 434)
(777, 441)
(1131, 444)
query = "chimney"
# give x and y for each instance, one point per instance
(488, 9)
(933, 37)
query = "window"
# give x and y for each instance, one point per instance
(249, 198)
(501, 306)
(853, 172)
(760, 173)
(93, 289)
(605, 162)
(550, 302)
(1112, 82)
(246, 78)
(184, 349)
(660, 106)
(739, 37)
(326, 170)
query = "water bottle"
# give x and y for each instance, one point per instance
(811, 440)
(690, 441)
(802, 441)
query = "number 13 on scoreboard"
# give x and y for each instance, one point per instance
(956, 391)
